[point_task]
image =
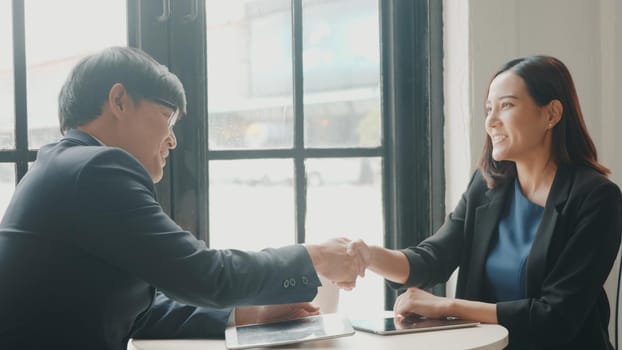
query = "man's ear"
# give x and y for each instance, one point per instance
(118, 100)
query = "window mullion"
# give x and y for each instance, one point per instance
(148, 30)
(190, 166)
(413, 168)
(300, 180)
(21, 109)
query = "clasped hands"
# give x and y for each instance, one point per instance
(340, 260)
(343, 260)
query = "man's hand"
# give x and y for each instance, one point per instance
(360, 249)
(273, 313)
(338, 262)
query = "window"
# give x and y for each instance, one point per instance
(7, 185)
(49, 61)
(307, 119)
(28, 112)
(7, 139)
(7, 101)
(255, 147)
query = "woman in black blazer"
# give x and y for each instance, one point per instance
(537, 230)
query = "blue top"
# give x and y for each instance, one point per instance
(505, 265)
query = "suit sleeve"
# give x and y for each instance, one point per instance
(572, 286)
(169, 319)
(122, 223)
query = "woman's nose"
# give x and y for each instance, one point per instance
(491, 119)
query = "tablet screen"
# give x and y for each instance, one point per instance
(388, 325)
(288, 332)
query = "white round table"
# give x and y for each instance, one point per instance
(484, 336)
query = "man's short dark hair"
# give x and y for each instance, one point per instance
(87, 87)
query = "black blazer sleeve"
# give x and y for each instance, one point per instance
(122, 223)
(168, 319)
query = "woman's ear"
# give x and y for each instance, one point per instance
(555, 110)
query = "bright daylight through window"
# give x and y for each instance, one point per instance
(250, 108)
(47, 64)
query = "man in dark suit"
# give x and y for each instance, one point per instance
(84, 244)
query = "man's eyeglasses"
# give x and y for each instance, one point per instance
(172, 119)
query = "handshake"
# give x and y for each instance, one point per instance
(340, 260)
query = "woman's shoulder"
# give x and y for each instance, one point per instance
(588, 178)
(588, 182)
(478, 187)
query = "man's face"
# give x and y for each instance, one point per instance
(149, 134)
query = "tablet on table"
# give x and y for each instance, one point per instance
(388, 325)
(288, 332)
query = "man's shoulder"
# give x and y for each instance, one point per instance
(67, 162)
(72, 156)
(101, 155)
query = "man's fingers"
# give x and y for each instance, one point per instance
(347, 285)
(360, 263)
(310, 307)
(351, 249)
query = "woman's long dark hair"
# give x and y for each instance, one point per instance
(547, 79)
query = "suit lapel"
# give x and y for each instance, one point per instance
(486, 222)
(537, 259)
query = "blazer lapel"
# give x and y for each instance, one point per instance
(536, 261)
(486, 221)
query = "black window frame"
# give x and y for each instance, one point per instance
(412, 94)
(20, 155)
(174, 32)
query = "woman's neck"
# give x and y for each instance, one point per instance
(536, 178)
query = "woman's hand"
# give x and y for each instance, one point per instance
(273, 313)
(417, 301)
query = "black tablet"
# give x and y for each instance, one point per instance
(288, 332)
(388, 325)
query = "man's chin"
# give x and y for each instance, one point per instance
(157, 177)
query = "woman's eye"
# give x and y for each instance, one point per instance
(505, 105)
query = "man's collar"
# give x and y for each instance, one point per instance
(82, 138)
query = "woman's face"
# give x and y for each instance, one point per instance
(518, 128)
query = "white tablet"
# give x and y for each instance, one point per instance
(288, 332)
(388, 325)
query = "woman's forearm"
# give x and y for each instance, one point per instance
(391, 264)
(473, 310)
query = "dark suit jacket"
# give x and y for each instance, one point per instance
(573, 251)
(84, 244)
